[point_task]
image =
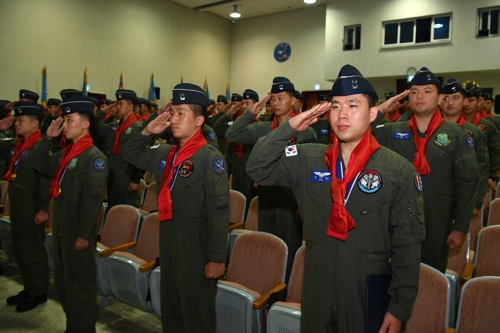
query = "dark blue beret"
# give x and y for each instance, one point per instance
(187, 93)
(53, 101)
(423, 77)
(222, 99)
(323, 97)
(298, 95)
(236, 98)
(95, 101)
(480, 92)
(210, 102)
(143, 101)
(488, 97)
(281, 84)
(3, 102)
(23, 93)
(67, 93)
(27, 108)
(452, 86)
(106, 102)
(351, 82)
(250, 94)
(80, 104)
(471, 91)
(125, 94)
(390, 94)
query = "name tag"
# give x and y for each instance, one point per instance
(163, 163)
(324, 131)
(401, 135)
(320, 176)
(230, 123)
(112, 128)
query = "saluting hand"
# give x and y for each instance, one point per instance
(235, 108)
(164, 108)
(5, 123)
(158, 125)
(301, 121)
(55, 128)
(81, 244)
(10, 105)
(392, 104)
(214, 269)
(257, 107)
(109, 108)
(41, 217)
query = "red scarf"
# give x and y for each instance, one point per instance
(340, 221)
(74, 149)
(476, 119)
(186, 151)
(461, 121)
(489, 113)
(482, 113)
(239, 146)
(420, 161)
(145, 116)
(120, 128)
(395, 116)
(19, 148)
(106, 116)
(275, 124)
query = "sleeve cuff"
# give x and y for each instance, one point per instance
(217, 257)
(397, 311)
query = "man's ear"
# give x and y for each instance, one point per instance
(86, 124)
(373, 113)
(200, 120)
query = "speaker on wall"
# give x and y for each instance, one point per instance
(157, 92)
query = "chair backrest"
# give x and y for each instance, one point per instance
(458, 257)
(150, 202)
(4, 186)
(148, 242)
(430, 310)
(497, 191)
(252, 220)
(474, 228)
(121, 226)
(147, 177)
(152, 179)
(258, 261)
(142, 189)
(479, 304)
(237, 203)
(6, 209)
(488, 249)
(294, 293)
(494, 212)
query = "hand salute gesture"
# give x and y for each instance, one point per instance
(158, 125)
(55, 128)
(301, 121)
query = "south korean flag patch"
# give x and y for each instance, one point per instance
(291, 151)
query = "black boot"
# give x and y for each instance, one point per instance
(14, 300)
(30, 303)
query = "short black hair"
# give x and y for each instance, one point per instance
(372, 100)
(89, 117)
(132, 101)
(199, 110)
(34, 117)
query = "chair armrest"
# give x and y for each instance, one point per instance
(449, 330)
(238, 225)
(260, 302)
(47, 230)
(6, 214)
(147, 266)
(140, 204)
(467, 274)
(123, 247)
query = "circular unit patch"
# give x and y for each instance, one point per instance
(186, 168)
(211, 136)
(73, 163)
(369, 181)
(469, 141)
(418, 182)
(99, 164)
(442, 140)
(219, 165)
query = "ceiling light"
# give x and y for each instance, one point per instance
(438, 25)
(310, 1)
(235, 13)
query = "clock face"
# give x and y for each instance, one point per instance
(411, 71)
(282, 52)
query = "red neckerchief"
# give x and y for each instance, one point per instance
(74, 149)
(145, 116)
(19, 148)
(275, 124)
(482, 113)
(420, 161)
(489, 113)
(120, 128)
(476, 119)
(186, 151)
(106, 116)
(461, 121)
(340, 221)
(395, 116)
(239, 146)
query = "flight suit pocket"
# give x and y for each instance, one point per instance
(311, 195)
(219, 194)
(416, 212)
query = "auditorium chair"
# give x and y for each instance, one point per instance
(456, 270)
(494, 213)
(251, 224)
(128, 272)
(6, 239)
(486, 262)
(256, 270)
(121, 227)
(433, 305)
(155, 291)
(479, 304)
(252, 220)
(150, 203)
(285, 316)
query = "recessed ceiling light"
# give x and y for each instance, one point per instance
(310, 1)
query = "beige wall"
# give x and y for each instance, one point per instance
(138, 36)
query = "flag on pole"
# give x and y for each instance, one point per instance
(44, 87)
(228, 91)
(152, 93)
(182, 81)
(205, 88)
(120, 86)
(85, 82)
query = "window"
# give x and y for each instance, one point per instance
(488, 22)
(415, 31)
(352, 37)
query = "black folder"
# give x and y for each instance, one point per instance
(377, 301)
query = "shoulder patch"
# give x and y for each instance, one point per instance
(163, 163)
(379, 126)
(469, 141)
(99, 164)
(6, 139)
(219, 165)
(401, 135)
(25, 154)
(154, 146)
(442, 140)
(211, 136)
(418, 182)
(369, 181)
(212, 148)
(291, 150)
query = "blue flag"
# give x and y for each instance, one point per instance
(152, 93)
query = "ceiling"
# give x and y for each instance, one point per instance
(247, 8)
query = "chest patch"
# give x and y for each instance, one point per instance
(25, 154)
(320, 176)
(418, 182)
(211, 136)
(291, 151)
(401, 135)
(72, 164)
(186, 168)
(219, 165)
(163, 163)
(469, 141)
(99, 164)
(128, 131)
(369, 181)
(482, 127)
(442, 140)
(324, 131)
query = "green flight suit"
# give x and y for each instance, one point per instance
(28, 194)
(386, 238)
(483, 160)
(277, 204)
(221, 141)
(322, 130)
(75, 215)
(493, 140)
(449, 189)
(121, 172)
(196, 234)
